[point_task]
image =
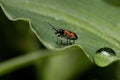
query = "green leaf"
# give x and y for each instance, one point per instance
(96, 22)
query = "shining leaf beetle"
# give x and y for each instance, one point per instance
(69, 35)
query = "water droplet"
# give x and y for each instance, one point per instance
(105, 56)
(106, 51)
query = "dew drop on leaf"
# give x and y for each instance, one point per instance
(106, 51)
(104, 56)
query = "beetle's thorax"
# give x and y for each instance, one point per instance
(60, 31)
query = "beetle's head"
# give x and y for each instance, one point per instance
(59, 31)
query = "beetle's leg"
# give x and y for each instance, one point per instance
(57, 39)
(60, 39)
(73, 41)
(67, 41)
(61, 42)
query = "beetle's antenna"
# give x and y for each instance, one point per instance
(51, 26)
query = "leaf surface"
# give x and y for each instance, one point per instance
(96, 22)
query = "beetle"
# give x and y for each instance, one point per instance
(69, 35)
